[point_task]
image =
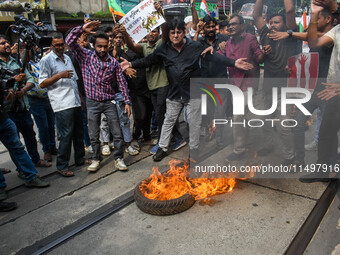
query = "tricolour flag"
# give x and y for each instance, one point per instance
(204, 7)
(115, 8)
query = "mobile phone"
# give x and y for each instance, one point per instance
(87, 16)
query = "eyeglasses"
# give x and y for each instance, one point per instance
(233, 24)
(4, 42)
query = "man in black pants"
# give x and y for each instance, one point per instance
(331, 117)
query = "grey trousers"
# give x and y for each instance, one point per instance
(94, 113)
(173, 110)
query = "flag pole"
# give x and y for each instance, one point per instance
(114, 18)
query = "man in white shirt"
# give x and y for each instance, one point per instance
(327, 146)
(57, 74)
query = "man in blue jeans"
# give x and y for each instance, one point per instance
(9, 137)
(17, 104)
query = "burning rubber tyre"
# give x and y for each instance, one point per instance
(163, 207)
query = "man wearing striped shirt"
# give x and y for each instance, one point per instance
(102, 75)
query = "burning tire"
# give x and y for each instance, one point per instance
(163, 207)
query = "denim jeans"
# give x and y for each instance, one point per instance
(24, 125)
(299, 130)
(70, 126)
(94, 112)
(45, 120)
(9, 137)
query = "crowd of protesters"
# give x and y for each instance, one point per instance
(87, 85)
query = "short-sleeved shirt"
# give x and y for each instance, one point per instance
(275, 63)
(334, 64)
(22, 102)
(156, 74)
(36, 92)
(64, 93)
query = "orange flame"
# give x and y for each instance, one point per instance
(175, 183)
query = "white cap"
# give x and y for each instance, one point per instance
(188, 19)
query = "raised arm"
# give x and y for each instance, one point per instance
(195, 19)
(165, 34)
(257, 15)
(79, 52)
(330, 5)
(313, 39)
(136, 47)
(290, 14)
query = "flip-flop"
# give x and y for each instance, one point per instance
(43, 163)
(66, 173)
(5, 170)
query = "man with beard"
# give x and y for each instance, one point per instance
(275, 74)
(18, 107)
(57, 74)
(209, 69)
(102, 76)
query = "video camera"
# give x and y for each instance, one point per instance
(30, 33)
(7, 83)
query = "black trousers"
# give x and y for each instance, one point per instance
(328, 139)
(142, 113)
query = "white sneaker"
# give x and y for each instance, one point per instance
(89, 149)
(313, 146)
(132, 151)
(106, 150)
(120, 165)
(94, 167)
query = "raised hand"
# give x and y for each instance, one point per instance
(316, 8)
(242, 64)
(303, 59)
(158, 7)
(327, 4)
(91, 26)
(200, 25)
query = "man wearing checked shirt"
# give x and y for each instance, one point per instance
(102, 75)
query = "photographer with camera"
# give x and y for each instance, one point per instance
(17, 104)
(9, 134)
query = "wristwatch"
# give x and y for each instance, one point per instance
(290, 32)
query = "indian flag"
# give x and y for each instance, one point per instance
(204, 7)
(115, 8)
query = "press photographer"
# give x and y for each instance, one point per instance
(16, 103)
(8, 130)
